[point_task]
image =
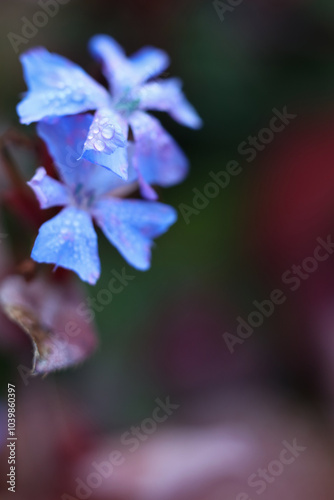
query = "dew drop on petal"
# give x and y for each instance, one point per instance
(108, 132)
(99, 145)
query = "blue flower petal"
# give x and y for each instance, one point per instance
(108, 132)
(56, 87)
(69, 240)
(48, 191)
(114, 63)
(166, 95)
(125, 73)
(65, 138)
(147, 63)
(157, 156)
(145, 189)
(130, 225)
(116, 162)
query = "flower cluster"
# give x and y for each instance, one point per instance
(85, 128)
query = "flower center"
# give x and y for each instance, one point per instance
(83, 199)
(127, 103)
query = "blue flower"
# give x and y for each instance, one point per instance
(89, 193)
(58, 87)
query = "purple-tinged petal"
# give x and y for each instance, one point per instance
(107, 133)
(65, 138)
(45, 311)
(48, 191)
(156, 156)
(125, 73)
(130, 225)
(69, 240)
(166, 95)
(145, 189)
(56, 87)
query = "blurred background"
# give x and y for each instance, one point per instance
(165, 334)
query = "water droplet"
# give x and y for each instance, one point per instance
(108, 132)
(99, 145)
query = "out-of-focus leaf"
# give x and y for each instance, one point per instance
(46, 311)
